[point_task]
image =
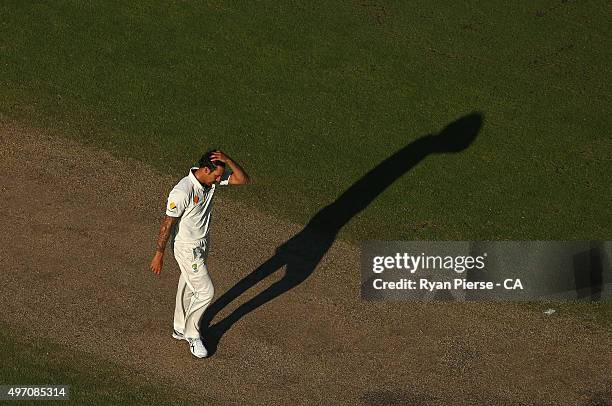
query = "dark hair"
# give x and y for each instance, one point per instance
(205, 161)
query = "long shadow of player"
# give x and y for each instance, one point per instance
(301, 254)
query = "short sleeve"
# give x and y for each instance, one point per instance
(177, 203)
(225, 177)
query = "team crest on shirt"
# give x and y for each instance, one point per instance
(196, 199)
(172, 205)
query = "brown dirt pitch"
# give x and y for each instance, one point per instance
(78, 233)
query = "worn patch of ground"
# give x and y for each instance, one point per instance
(78, 233)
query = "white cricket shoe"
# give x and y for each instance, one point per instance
(197, 347)
(177, 335)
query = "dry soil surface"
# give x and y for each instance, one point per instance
(78, 233)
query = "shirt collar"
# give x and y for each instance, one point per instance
(195, 180)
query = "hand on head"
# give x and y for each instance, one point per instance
(218, 156)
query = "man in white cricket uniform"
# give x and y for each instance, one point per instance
(187, 224)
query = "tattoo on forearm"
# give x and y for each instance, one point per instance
(164, 234)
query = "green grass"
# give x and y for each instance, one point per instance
(311, 96)
(92, 380)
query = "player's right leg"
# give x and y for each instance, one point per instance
(183, 296)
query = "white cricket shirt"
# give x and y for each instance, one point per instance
(192, 202)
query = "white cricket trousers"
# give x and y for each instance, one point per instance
(195, 289)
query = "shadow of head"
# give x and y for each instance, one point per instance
(458, 135)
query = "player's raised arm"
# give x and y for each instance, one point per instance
(239, 176)
(162, 239)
